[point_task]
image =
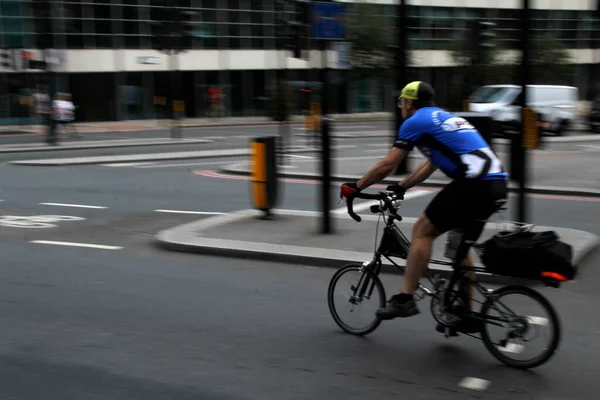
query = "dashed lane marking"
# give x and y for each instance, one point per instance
(190, 212)
(72, 244)
(127, 164)
(474, 384)
(297, 156)
(541, 321)
(71, 205)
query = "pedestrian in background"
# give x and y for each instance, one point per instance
(63, 113)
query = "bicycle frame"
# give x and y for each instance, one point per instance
(394, 243)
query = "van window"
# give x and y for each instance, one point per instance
(488, 94)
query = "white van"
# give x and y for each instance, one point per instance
(556, 104)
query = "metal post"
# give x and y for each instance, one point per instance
(325, 143)
(175, 93)
(525, 79)
(401, 69)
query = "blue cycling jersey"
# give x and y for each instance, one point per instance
(450, 143)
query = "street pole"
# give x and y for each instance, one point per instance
(325, 143)
(175, 85)
(400, 67)
(525, 79)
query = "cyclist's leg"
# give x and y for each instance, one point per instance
(438, 218)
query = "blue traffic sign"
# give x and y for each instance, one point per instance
(328, 20)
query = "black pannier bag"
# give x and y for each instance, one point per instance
(531, 255)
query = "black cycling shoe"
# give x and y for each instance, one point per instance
(398, 307)
(467, 325)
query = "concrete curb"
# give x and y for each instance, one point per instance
(292, 123)
(582, 192)
(497, 141)
(61, 162)
(187, 238)
(101, 144)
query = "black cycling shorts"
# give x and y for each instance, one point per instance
(463, 203)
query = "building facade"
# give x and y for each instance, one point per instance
(104, 54)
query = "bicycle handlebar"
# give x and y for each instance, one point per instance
(385, 196)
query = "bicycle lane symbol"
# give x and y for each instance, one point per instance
(35, 221)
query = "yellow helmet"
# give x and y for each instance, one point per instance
(417, 90)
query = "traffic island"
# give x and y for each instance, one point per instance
(292, 236)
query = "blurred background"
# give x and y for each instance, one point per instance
(105, 54)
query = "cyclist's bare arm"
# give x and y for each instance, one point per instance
(383, 168)
(419, 175)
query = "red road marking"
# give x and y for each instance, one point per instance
(215, 174)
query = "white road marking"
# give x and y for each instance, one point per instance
(72, 244)
(512, 348)
(35, 221)
(589, 146)
(541, 321)
(184, 164)
(126, 164)
(297, 156)
(474, 384)
(190, 212)
(71, 205)
(367, 204)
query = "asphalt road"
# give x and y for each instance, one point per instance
(130, 321)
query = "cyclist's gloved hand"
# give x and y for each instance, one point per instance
(348, 189)
(397, 189)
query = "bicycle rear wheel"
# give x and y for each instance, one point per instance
(511, 326)
(358, 293)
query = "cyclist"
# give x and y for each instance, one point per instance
(478, 186)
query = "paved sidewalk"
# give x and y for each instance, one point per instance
(96, 144)
(294, 236)
(127, 158)
(568, 172)
(144, 125)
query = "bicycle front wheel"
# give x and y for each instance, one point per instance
(515, 317)
(353, 297)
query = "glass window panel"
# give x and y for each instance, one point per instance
(256, 5)
(209, 3)
(257, 44)
(104, 41)
(232, 16)
(74, 41)
(103, 26)
(209, 15)
(256, 17)
(132, 42)
(233, 30)
(130, 13)
(102, 12)
(72, 10)
(256, 30)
